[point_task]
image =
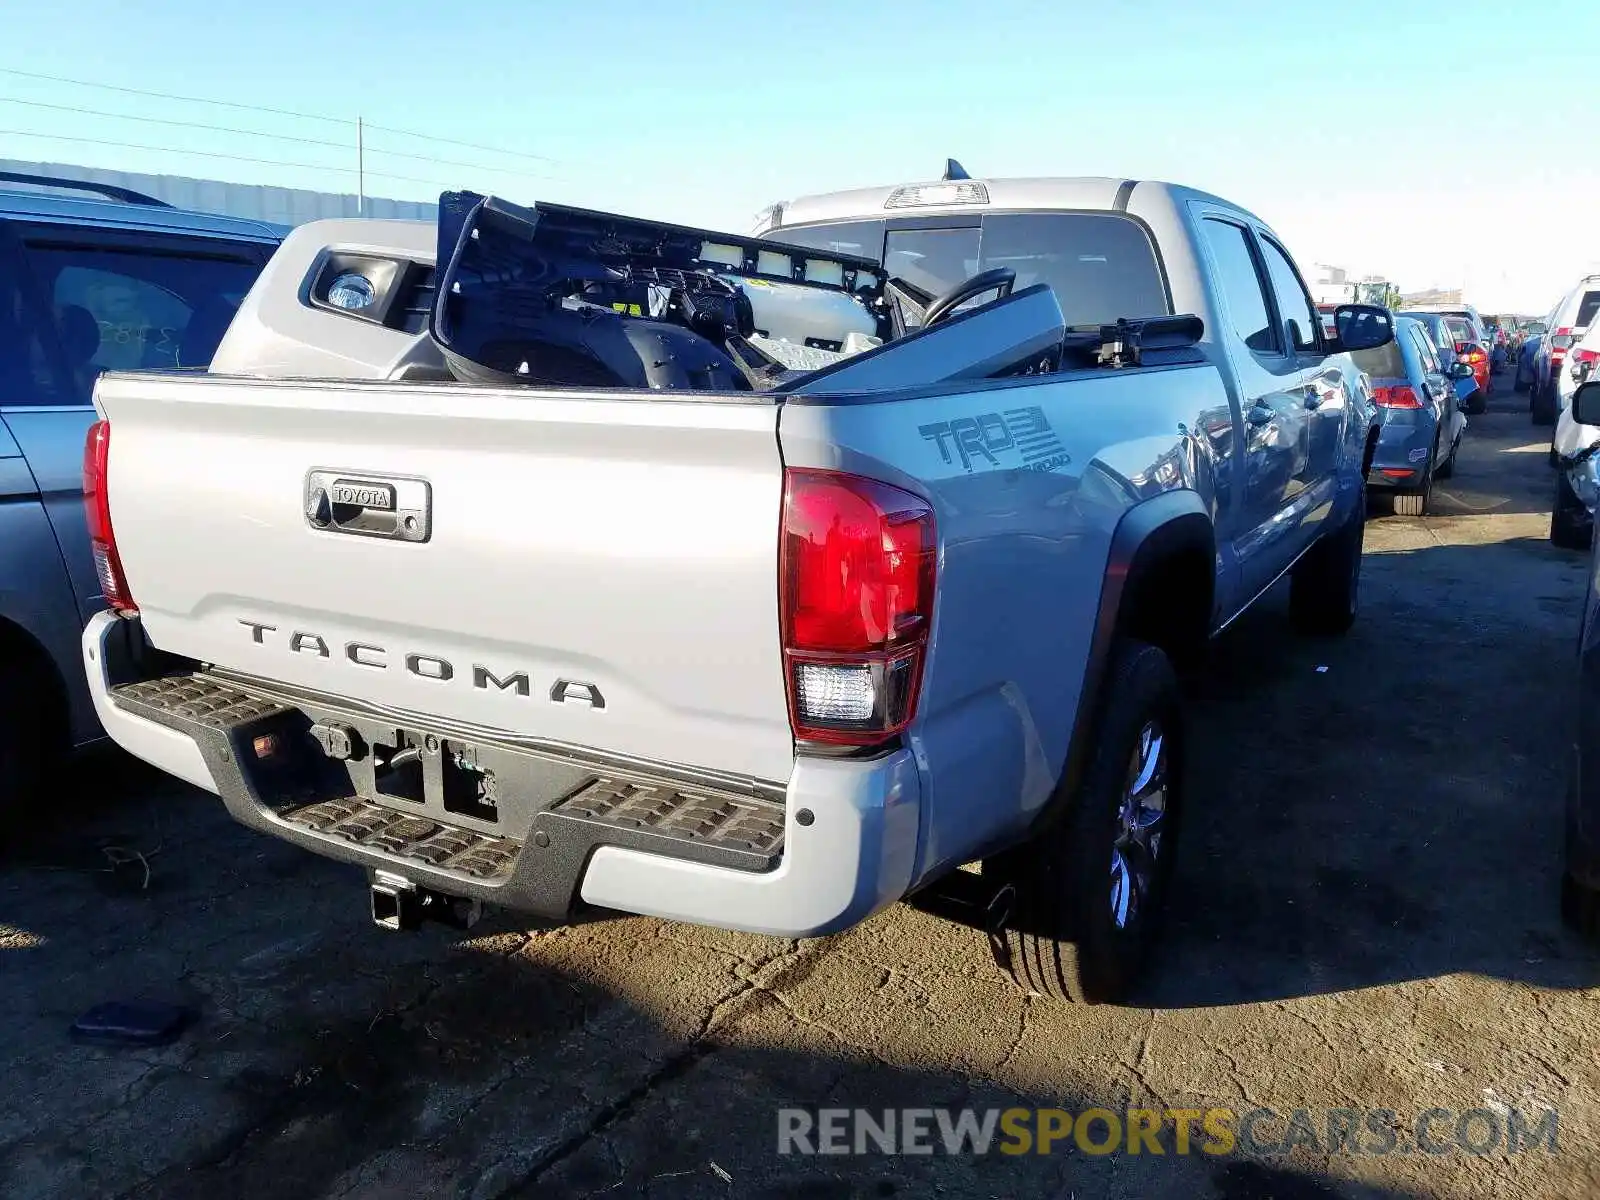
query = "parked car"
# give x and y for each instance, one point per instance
(1569, 519)
(740, 661)
(1527, 353)
(1465, 383)
(1422, 419)
(1583, 358)
(1471, 348)
(1580, 879)
(1471, 342)
(1479, 328)
(92, 278)
(1567, 324)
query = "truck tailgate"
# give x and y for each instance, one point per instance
(599, 572)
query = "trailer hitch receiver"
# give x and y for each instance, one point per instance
(399, 904)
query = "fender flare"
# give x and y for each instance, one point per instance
(1146, 536)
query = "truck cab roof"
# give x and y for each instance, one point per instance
(951, 197)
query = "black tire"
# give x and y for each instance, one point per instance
(1543, 406)
(1061, 937)
(1477, 403)
(1447, 469)
(25, 747)
(1325, 585)
(1571, 526)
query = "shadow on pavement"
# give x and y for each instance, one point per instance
(333, 1060)
(501, 1079)
(1397, 816)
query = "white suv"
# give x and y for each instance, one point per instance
(1569, 321)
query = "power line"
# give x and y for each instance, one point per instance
(266, 162)
(278, 112)
(281, 137)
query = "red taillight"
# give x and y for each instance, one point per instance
(1469, 352)
(1399, 396)
(97, 510)
(856, 577)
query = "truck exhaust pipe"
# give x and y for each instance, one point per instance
(399, 904)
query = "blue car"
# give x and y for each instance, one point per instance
(1444, 344)
(1420, 415)
(92, 278)
(1527, 360)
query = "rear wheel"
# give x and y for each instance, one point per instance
(25, 744)
(1447, 469)
(1478, 403)
(1543, 405)
(1085, 895)
(1571, 526)
(1325, 586)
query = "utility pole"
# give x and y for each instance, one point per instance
(361, 170)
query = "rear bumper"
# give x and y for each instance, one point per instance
(562, 832)
(1405, 444)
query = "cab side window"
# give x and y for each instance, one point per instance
(128, 308)
(1293, 302)
(1241, 286)
(30, 371)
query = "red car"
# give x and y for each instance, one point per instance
(1470, 350)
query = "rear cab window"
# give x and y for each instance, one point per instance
(1101, 265)
(140, 302)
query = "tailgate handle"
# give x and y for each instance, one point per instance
(396, 507)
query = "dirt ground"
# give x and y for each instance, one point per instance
(1365, 917)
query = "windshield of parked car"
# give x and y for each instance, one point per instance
(1460, 329)
(1386, 361)
(1102, 266)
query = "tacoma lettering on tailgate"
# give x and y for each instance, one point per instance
(1022, 435)
(425, 666)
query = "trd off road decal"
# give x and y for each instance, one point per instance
(1022, 435)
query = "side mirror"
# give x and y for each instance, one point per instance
(1363, 326)
(1586, 403)
(1461, 370)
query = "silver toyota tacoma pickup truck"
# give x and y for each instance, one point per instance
(577, 564)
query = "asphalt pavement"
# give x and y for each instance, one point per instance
(1364, 920)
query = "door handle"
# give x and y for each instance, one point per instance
(396, 507)
(1260, 414)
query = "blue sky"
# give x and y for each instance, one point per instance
(1438, 144)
